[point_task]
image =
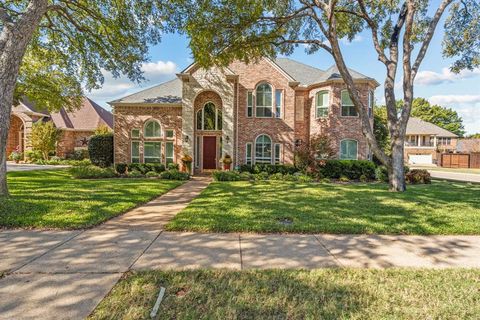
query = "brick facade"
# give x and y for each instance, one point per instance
(228, 89)
(15, 134)
(71, 140)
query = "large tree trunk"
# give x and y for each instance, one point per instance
(14, 40)
(396, 172)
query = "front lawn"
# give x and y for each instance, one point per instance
(292, 294)
(439, 208)
(53, 199)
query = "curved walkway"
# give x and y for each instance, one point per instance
(65, 274)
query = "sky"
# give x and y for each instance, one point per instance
(434, 81)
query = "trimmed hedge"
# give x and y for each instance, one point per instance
(219, 175)
(146, 167)
(91, 172)
(174, 175)
(351, 169)
(100, 150)
(269, 168)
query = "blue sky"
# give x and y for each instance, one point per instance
(434, 81)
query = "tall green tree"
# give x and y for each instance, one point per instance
(222, 31)
(44, 138)
(50, 49)
(443, 117)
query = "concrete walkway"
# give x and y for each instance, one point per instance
(12, 166)
(65, 274)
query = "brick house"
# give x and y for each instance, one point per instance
(424, 142)
(255, 113)
(76, 126)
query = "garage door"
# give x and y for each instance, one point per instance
(420, 159)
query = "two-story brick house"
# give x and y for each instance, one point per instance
(255, 113)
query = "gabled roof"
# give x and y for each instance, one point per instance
(25, 106)
(88, 117)
(308, 75)
(167, 92)
(418, 126)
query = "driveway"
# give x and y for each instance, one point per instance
(30, 167)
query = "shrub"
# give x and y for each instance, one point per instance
(79, 154)
(134, 174)
(44, 138)
(352, 169)
(363, 178)
(158, 167)
(276, 176)
(344, 179)
(246, 176)
(220, 175)
(246, 168)
(174, 175)
(268, 168)
(418, 176)
(121, 168)
(325, 180)
(91, 172)
(290, 177)
(304, 178)
(143, 168)
(261, 176)
(151, 174)
(381, 173)
(100, 150)
(33, 155)
(173, 166)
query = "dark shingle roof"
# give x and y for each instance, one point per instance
(167, 92)
(88, 117)
(418, 126)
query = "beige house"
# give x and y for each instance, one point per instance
(424, 142)
(256, 113)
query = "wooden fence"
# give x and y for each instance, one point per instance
(461, 160)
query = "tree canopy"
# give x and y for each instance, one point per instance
(443, 117)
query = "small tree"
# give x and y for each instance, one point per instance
(318, 148)
(102, 129)
(44, 138)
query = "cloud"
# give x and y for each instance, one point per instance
(445, 76)
(114, 88)
(467, 106)
(357, 38)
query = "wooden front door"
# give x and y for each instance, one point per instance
(209, 153)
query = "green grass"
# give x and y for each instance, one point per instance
(317, 294)
(439, 208)
(52, 199)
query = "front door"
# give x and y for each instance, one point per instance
(209, 153)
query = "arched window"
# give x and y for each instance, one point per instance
(348, 108)
(264, 101)
(263, 149)
(209, 117)
(152, 129)
(321, 103)
(348, 149)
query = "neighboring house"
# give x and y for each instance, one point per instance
(76, 126)
(256, 113)
(424, 142)
(468, 146)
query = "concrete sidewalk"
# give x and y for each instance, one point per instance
(65, 274)
(456, 176)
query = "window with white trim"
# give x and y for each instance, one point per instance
(135, 133)
(264, 101)
(135, 152)
(169, 134)
(248, 153)
(168, 152)
(152, 152)
(263, 149)
(152, 129)
(278, 103)
(209, 117)
(348, 108)
(348, 149)
(249, 104)
(277, 153)
(370, 103)
(321, 104)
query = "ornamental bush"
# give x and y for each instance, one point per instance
(121, 168)
(352, 169)
(151, 174)
(100, 150)
(418, 176)
(174, 175)
(91, 172)
(268, 168)
(220, 175)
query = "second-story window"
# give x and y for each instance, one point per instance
(263, 108)
(348, 108)
(209, 117)
(321, 102)
(278, 103)
(249, 104)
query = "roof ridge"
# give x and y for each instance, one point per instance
(299, 62)
(137, 92)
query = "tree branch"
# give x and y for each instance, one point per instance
(374, 28)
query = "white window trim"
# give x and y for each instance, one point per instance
(282, 100)
(252, 106)
(203, 117)
(346, 105)
(328, 104)
(145, 125)
(340, 151)
(139, 133)
(254, 151)
(131, 151)
(273, 100)
(170, 138)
